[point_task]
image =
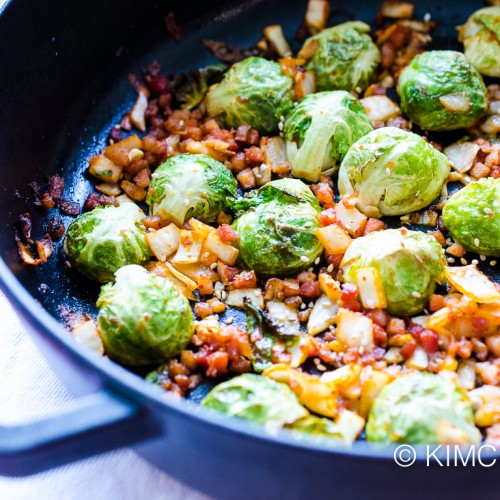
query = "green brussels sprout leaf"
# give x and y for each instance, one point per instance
(190, 88)
(472, 215)
(344, 57)
(392, 172)
(258, 399)
(320, 130)
(441, 90)
(190, 185)
(410, 263)
(421, 408)
(143, 319)
(100, 242)
(263, 333)
(255, 92)
(276, 237)
(481, 38)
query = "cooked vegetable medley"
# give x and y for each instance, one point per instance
(285, 235)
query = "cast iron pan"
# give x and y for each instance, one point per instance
(63, 84)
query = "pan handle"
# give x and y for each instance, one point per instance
(96, 423)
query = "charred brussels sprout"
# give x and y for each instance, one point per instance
(481, 38)
(258, 399)
(100, 242)
(441, 90)
(422, 408)
(143, 319)
(320, 130)
(409, 263)
(254, 91)
(343, 57)
(472, 215)
(393, 172)
(190, 88)
(190, 185)
(276, 236)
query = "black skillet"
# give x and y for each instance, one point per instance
(63, 68)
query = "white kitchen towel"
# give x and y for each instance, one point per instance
(30, 389)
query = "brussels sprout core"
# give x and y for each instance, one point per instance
(422, 408)
(409, 264)
(254, 91)
(441, 90)
(320, 130)
(343, 57)
(393, 172)
(481, 38)
(190, 185)
(276, 237)
(102, 241)
(472, 215)
(143, 319)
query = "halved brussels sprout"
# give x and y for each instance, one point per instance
(143, 319)
(320, 130)
(190, 185)
(409, 264)
(344, 57)
(258, 399)
(472, 215)
(481, 38)
(422, 408)
(276, 236)
(254, 91)
(441, 90)
(392, 172)
(100, 242)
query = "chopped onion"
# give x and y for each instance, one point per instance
(334, 238)
(457, 103)
(394, 9)
(274, 35)
(462, 155)
(322, 316)
(473, 283)
(235, 298)
(138, 113)
(317, 15)
(380, 108)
